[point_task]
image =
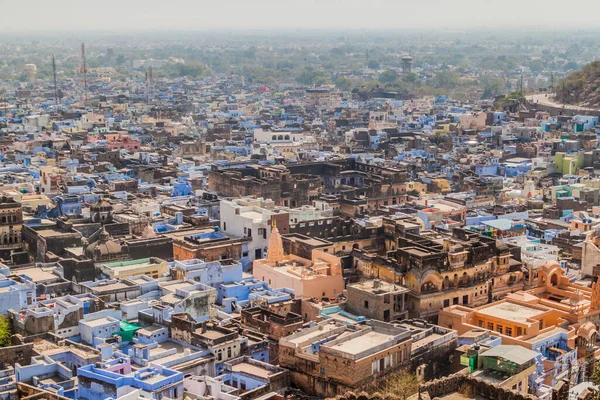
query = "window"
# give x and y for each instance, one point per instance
(465, 299)
(224, 226)
(480, 323)
(519, 331)
(366, 304)
(447, 303)
(499, 328)
(508, 331)
(229, 352)
(455, 300)
(490, 326)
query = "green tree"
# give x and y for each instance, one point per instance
(344, 83)
(388, 76)
(309, 76)
(536, 66)
(410, 78)
(5, 332)
(491, 86)
(446, 80)
(571, 66)
(191, 69)
(373, 64)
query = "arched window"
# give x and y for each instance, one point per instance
(280, 137)
(287, 137)
(274, 137)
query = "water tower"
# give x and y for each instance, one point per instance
(30, 71)
(407, 65)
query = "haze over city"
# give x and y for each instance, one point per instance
(299, 200)
(144, 15)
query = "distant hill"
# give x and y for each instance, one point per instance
(581, 88)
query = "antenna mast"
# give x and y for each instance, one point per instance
(84, 71)
(55, 85)
(151, 82)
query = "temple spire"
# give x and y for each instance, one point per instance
(595, 300)
(275, 252)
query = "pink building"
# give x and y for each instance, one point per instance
(116, 141)
(319, 277)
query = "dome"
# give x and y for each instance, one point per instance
(105, 247)
(101, 205)
(501, 246)
(149, 232)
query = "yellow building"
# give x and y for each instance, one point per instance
(152, 267)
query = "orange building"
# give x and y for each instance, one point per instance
(555, 305)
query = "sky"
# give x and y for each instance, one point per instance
(20, 16)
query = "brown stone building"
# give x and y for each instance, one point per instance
(377, 299)
(11, 223)
(333, 358)
(442, 269)
(204, 244)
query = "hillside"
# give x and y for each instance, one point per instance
(581, 87)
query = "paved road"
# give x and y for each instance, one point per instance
(548, 100)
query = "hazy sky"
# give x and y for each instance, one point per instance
(121, 15)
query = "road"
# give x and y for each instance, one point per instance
(548, 100)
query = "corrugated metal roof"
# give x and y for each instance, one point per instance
(517, 354)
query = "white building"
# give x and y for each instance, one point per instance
(262, 136)
(251, 218)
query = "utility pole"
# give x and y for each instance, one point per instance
(55, 85)
(521, 84)
(84, 72)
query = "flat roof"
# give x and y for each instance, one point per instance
(361, 343)
(251, 369)
(313, 334)
(511, 312)
(99, 321)
(37, 274)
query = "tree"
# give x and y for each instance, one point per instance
(595, 378)
(399, 383)
(309, 76)
(571, 66)
(410, 78)
(344, 83)
(191, 69)
(446, 80)
(491, 86)
(388, 76)
(536, 66)
(373, 64)
(5, 332)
